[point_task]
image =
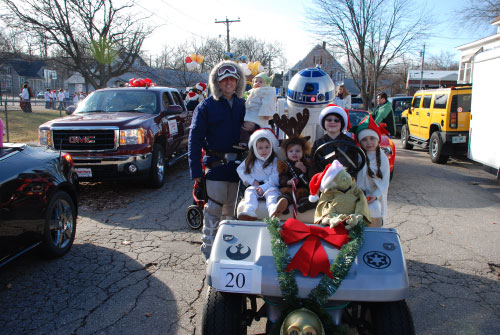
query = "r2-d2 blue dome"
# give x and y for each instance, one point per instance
(311, 87)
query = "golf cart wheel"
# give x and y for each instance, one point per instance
(194, 217)
(223, 314)
(392, 318)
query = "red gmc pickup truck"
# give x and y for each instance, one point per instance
(122, 133)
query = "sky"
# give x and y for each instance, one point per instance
(280, 20)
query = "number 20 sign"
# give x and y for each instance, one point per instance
(239, 278)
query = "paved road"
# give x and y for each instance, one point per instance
(135, 267)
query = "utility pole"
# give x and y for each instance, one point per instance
(422, 54)
(227, 22)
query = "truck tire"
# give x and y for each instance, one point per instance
(223, 314)
(392, 318)
(157, 169)
(436, 148)
(405, 134)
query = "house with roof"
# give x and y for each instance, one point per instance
(470, 50)
(418, 79)
(40, 76)
(318, 56)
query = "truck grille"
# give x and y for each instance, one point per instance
(72, 140)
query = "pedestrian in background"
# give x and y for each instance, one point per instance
(384, 113)
(343, 98)
(54, 99)
(60, 99)
(46, 97)
(26, 96)
(216, 128)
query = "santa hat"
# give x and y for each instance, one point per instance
(368, 127)
(201, 86)
(268, 134)
(338, 111)
(192, 95)
(323, 179)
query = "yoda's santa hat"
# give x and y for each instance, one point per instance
(321, 180)
(368, 127)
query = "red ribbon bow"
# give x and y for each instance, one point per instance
(311, 257)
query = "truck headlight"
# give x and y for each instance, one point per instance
(131, 136)
(44, 137)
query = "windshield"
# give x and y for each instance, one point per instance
(115, 101)
(355, 117)
(402, 105)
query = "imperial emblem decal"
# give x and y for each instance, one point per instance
(238, 255)
(377, 260)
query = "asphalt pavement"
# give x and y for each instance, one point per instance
(135, 267)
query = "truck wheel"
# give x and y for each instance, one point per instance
(436, 148)
(392, 318)
(194, 217)
(405, 134)
(223, 314)
(157, 170)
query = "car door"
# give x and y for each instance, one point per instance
(183, 120)
(413, 115)
(172, 122)
(425, 116)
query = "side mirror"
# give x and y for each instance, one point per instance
(70, 110)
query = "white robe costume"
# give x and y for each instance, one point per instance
(269, 177)
(375, 186)
(260, 105)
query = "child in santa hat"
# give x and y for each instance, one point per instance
(260, 106)
(259, 172)
(335, 121)
(374, 177)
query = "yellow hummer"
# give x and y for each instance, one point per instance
(438, 119)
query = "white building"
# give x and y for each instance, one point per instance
(470, 50)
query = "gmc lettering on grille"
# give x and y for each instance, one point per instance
(81, 139)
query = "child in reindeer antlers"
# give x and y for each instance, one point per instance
(295, 169)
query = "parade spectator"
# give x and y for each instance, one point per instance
(82, 96)
(46, 97)
(54, 99)
(384, 113)
(66, 97)
(216, 128)
(26, 96)
(75, 98)
(60, 99)
(343, 98)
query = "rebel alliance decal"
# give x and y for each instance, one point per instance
(238, 255)
(377, 260)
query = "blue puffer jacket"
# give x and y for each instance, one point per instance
(216, 126)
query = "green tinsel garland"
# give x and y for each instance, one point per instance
(327, 286)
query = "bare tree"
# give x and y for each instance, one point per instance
(97, 38)
(372, 34)
(478, 13)
(443, 61)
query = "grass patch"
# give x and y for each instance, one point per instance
(23, 127)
